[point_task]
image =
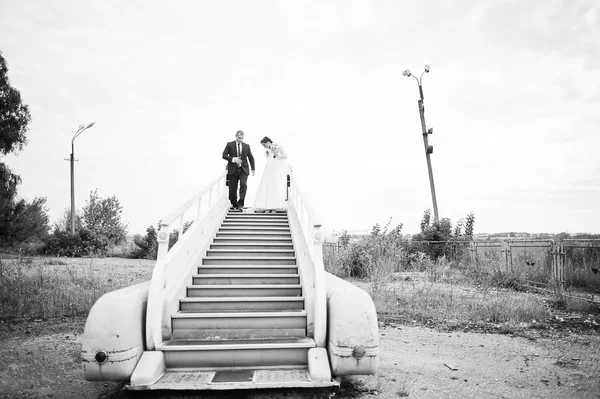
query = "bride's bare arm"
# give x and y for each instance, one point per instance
(282, 153)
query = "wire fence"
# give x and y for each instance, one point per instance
(567, 268)
(578, 267)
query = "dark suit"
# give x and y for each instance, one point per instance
(238, 173)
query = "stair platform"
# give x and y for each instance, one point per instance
(237, 378)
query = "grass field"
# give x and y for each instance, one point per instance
(42, 287)
(533, 357)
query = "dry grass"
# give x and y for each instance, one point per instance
(48, 287)
(424, 301)
(451, 294)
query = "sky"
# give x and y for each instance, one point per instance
(513, 96)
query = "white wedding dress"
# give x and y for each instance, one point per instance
(272, 190)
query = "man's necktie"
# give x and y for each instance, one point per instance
(239, 154)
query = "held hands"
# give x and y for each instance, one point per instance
(238, 160)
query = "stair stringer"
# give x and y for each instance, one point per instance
(173, 272)
(314, 293)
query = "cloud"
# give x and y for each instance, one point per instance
(512, 96)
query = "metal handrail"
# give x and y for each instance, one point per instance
(188, 204)
(159, 283)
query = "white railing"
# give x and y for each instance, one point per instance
(308, 240)
(175, 266)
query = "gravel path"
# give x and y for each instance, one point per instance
(41, 359)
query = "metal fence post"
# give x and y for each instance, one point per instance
(472, 251)
(561, 268)
(505, 251)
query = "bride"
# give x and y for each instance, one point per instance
(271, 192)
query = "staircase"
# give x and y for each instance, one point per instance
(242, 323)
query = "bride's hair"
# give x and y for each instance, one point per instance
(266, 140)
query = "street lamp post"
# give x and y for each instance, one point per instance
(428, 148)
(72, 159)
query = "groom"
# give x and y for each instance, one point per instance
(237, 153)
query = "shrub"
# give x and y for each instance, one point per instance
(360, 258)
(147, 246)
(64, 243)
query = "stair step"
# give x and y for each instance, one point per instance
(258, 221)
(253, 229)
(245, 269)
(239, 378)
(241, 279)
(263, 219)
(249, 260)
(232, 353)
(248, 222)
(244, 304)
(254, 235)
(258, 214)
(275, 218)
(250, 252)
(239, 325)
(251, 226)
(251, 245)
(246, 290)
(236, 344)
(252, 239)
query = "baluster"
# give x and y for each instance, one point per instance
(199, 209)
(210, 197)
(311, 235)
(180, 233)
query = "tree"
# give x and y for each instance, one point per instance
(437, 231)
(174, 236)
(8, 192)
(458, 228)
(147, 246)
(470, 225)
(14, 115)
(19, 220)
(344, 239)
(425, 220)
(376, 230)
(102, 219)
(64, 222)
(25, 222)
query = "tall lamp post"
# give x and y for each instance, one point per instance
(80, 130)
(428, 148)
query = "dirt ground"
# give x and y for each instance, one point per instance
(42, 359)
